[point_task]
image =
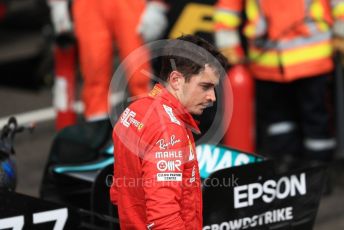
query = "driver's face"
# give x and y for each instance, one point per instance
(199, 92)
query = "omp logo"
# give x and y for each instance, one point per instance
(169, 111)
(163, 165)
(128, 118)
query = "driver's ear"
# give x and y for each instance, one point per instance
(176, 80)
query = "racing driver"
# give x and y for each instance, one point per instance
(156, 178)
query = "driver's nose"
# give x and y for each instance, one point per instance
(211, 97)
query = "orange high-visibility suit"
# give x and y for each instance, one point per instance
(99, 24)
(290, 52)
(287, 40)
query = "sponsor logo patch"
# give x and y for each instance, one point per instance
(163, 145)
(163, 165)
(192, 179)
(285, 187)
(169, 176)
(171, 115)
(169, 154)
(128, 118)
(155, 91)
(191, 156)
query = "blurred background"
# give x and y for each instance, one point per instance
(55, 68)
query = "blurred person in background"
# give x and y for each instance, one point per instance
(99, 26)
(290, 48)
(153, 21)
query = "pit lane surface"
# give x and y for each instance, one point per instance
(32, 151)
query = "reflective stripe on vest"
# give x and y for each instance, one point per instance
(281, 128)
(319, 144)
(226, 18)
(256, 26)
(312, 28)
(317, 12)
(337, 9)
(319, 50)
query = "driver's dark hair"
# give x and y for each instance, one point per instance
(189, 54)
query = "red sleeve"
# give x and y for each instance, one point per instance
(162, 165)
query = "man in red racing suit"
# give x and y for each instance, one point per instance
(156, 177)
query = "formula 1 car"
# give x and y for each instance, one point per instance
(240, 190)
(83, 180)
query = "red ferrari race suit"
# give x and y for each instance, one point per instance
(98, 25)
(156, 177)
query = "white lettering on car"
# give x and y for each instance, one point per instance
(245, 195)
(261, 219)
